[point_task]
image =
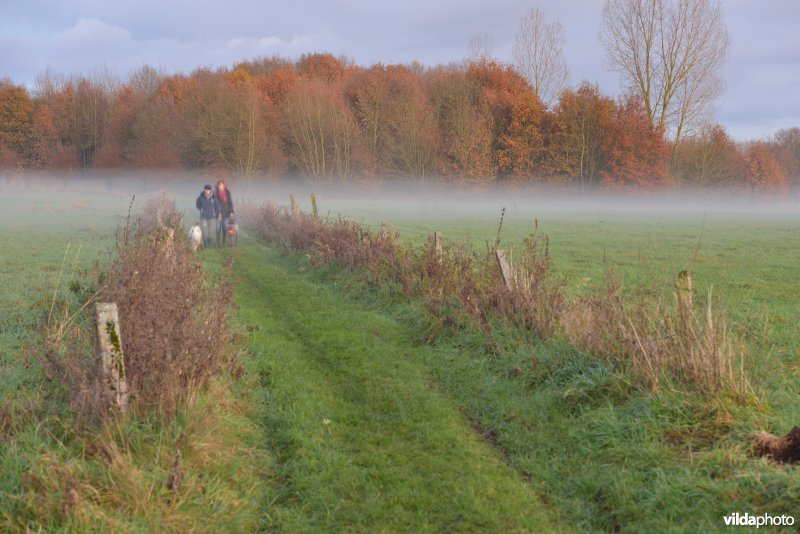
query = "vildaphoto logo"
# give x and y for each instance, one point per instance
(762, 520)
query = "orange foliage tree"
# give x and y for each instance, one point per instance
(520, 150)
(581, 121)
(322, 117)
(16, 111)
(277, 84)
(637, 152)
(320, 66)
(395, 118)
(118, 131)
(762, 171)
(412, 135)
(786, 148)
(501, 88)
(368, 93)
(466, 132)
(235, 125)
(154, 134)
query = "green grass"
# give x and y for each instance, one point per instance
(365, 441)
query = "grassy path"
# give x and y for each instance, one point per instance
(364, 442)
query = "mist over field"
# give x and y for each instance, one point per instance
(377, 200)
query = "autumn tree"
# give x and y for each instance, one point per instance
(762, 171)
(499, 89)
(412, 135)
(368, 91)
(321, 131)
(16, 111)
(159, 120)
(265, 66)
(709, 158)
(670, 52)
(43, 137)
(96, 96)
(321, 66)
(235, 125)
(582, 120)
(786, 147)
(466, 131)
(53, 127)
(119, 130)
(637, 152)
(538, 54)
(276, 84)
(521, 147)
(82, 109)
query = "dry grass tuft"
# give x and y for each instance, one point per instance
(655, 341)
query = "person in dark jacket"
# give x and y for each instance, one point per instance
(208, 206)
(225, 201)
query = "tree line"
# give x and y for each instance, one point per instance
(477, 121)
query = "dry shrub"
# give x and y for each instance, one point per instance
(538, 299)
(341, 241)
(173, 316)
(159, 213)
(453, 288)
(700, 352)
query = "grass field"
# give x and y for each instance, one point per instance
(343, 421)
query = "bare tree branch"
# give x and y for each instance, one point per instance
(670, 52)
(538, 55)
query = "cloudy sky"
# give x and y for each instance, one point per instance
(762, 74)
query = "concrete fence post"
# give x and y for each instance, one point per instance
(505, 270)
(437, 244)
(109, 348)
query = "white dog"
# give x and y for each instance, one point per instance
(195, 236)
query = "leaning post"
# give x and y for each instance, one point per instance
(505, 270)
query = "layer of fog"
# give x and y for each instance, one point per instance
(386, 200)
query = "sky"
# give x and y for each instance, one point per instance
(762, 72)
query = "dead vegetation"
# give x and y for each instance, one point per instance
(781, 449)
(173, 316)
(655, 341)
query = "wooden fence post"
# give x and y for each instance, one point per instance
(109, 348)
(683, 289)
(437, 244)
(384, 230)
(293, 203)
(505, 269)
